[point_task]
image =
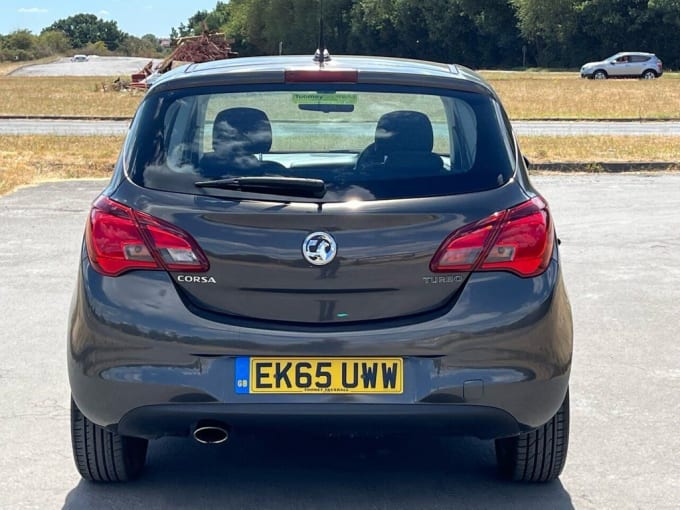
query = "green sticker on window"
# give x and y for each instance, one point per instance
(325, 99)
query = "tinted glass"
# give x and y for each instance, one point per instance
(639, 58)
(364, 143)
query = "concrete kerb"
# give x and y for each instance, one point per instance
(606, 167)
(62, 117)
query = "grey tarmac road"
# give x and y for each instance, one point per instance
(522, 128)
(94, 66)
(621, 257)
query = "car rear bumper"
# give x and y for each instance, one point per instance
(369, 419)
(497, 362)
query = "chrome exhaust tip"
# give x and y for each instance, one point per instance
(211, 432)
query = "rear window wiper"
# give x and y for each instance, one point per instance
(286, 186)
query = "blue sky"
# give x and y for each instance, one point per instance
(134, 17)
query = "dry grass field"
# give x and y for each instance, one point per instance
(600, 149)
(544, 95)
(526, 95)
(30, 159)
(76, 95)
(8, 67)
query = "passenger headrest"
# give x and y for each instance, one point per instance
(242, 131)
(403, 130)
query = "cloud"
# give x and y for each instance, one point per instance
(104, 13)
(32, 10)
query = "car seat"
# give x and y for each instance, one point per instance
(238, 135)
(403, 146)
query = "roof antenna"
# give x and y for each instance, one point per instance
(321, 55)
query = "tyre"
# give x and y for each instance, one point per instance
(648, 75)
(600, 75)
(104, 456)
(539, 455)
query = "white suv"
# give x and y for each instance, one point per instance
(624, 65)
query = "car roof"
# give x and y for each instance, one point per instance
(374, 70)
(639, 53)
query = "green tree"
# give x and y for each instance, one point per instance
(55, 42)
(371, 25)
(547, 25)
(151, 39)
(24, 45)
(217, 18)
(82, 29)
(139, 46)
(244, 26)
(570, 32)
(21, 40)
(497, 40)
(474, 32)
(605, 27)
(265, 26)
(663, 38)
(479, 33)
(213, 21)
(18, 45)
(192, 27)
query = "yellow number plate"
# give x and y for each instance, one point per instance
(319, 375)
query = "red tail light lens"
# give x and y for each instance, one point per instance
(519, 240)
(462, 250)
(120, 239)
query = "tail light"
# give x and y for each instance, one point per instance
(120, 239)
(519, 240)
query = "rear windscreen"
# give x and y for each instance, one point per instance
(363, 143)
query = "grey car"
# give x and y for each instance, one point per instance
(624, 65)
(333, 245)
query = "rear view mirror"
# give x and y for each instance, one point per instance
(327, 108)
(325, 102)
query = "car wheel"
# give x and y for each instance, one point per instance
(539, 455)
(104, 456)
(600, 75)
(648, 75)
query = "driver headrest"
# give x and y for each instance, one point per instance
(403, 130)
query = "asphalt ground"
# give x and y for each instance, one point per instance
(621, 260)
(105, 127)
(94, 66)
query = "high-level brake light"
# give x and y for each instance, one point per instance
(321, 76)
(519, 240)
